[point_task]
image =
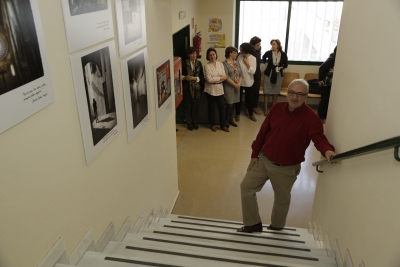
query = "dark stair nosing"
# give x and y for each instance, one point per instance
(236, 234)
(231, 249)
(233, 228)
(204, 257)
(227, 222)
(233, 241)
(140, 262)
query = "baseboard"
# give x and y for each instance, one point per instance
(173, 204)
(86, 244)
(107, 236)
(57, 254)
(126, 227)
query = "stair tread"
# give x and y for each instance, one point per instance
(233, 228)
(97, 259)
(175, 252)
(229, 234)
(236, 224)
(159, 239)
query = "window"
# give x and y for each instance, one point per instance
(308, 30)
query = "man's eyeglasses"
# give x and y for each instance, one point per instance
(293, 93)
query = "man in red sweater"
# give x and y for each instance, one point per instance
(277, 153)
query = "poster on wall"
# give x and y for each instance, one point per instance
(162, 81)
(136, 92)
(97, 96)
(25, 81)
(131, 22)
(216, 40)
(87, 22)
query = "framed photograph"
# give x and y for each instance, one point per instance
(87, 22)
(135, 77)
(98, 97)
(131, 22)
(178, 81)
(162, 80)
(25, 81)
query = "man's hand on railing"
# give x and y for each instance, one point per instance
(329, 154)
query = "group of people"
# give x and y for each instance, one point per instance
(224, 82)
(286, 132)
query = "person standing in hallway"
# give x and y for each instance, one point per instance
(276, 61)
(193, 83)
(214, 73)
(325, 75)
(231, 84)
(256, 43)
(248, 64)
(278, 150)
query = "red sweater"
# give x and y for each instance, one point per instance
(284, 136)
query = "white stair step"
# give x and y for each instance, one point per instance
(184, 254)
(234, 239)
(227, 223)
(97, 259)
(226, 248)
(232, 228)
(232, 233)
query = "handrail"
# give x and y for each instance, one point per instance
(375, 147)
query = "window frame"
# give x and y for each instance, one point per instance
(292, 62)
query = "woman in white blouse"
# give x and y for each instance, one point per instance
(214, 74)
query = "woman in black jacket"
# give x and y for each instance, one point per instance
(277, 61)
(325, 75)
(193, 83)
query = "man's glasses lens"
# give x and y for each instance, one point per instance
(293, 93)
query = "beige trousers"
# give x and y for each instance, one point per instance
(282, 179)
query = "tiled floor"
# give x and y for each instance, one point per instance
(211, 166)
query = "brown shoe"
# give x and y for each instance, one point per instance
(225, 129)
(256, 111)
(213, 128)
(253, 118)
(237, 118)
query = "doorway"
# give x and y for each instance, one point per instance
(180, 42)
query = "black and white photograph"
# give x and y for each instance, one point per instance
(77, 7)
(18, 65)
(135, 83)
(25, 80)
(97, 96)
(99, 89)
(87, 22)
(162, 80)
(131, 23)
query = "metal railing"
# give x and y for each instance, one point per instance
(375, 147)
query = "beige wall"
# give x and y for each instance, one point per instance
(191, 7)
(46, 188)
(356, 201)
(224, 9)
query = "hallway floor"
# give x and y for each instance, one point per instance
(211, 166)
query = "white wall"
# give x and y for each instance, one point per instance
(356, 201)
(46, 188)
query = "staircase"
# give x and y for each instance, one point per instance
(173, 240)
